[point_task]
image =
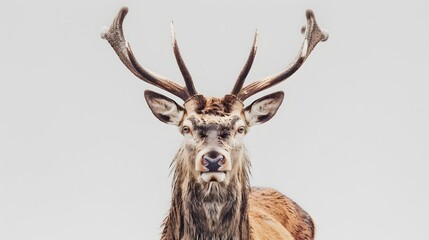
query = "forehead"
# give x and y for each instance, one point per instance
(208, 122)
(213, 113)
(212, 106)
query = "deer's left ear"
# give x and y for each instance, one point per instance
(164, 108)
(263, 109)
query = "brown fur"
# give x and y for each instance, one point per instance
(274, 216)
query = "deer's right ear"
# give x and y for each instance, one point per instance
(164, 108)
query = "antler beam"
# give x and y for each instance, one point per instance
(115, 36)
(313, 35)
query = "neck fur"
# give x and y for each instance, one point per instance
(211, 211)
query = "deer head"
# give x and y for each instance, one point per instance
(212, 154)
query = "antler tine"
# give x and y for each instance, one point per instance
(115, 36)
(243, 74)
(313, 35)
(183, 69)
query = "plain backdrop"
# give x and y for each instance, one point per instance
(82, 156)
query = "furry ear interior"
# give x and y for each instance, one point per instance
(164, 108)
(263, 109)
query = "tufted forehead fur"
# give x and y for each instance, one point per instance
(225, 106)
(208, 123)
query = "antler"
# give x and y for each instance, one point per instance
(115, 36)
(243, 74)
(185, 73)
(313, 35)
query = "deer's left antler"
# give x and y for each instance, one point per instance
(313, 35)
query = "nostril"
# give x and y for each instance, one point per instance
(213, 161)
(204, 162)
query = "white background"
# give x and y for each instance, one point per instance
(82, 157)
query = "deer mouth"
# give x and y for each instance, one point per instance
(213, 176)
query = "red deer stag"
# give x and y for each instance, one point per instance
(211, 195)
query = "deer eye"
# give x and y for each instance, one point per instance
(241, 130)
(224, 135)
(186, 129)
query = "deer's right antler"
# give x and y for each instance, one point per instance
(115, 36)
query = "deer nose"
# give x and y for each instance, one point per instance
(213, 161)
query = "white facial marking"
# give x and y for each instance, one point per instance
(213, 176)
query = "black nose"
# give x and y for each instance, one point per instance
(213, 161)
